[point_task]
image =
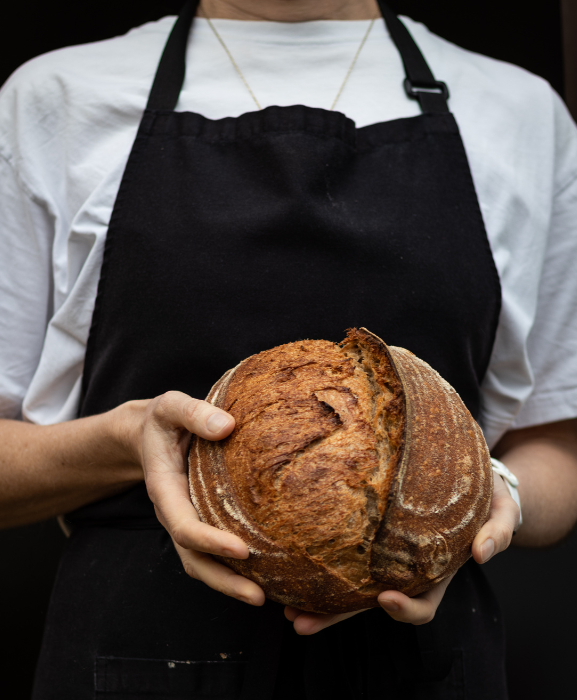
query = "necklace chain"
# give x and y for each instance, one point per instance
(350, 70)
(238, 70)
(228, 53)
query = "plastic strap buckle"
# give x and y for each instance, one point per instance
(435, 87)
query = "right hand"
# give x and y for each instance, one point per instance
(160, 443)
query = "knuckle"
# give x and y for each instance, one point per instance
(503, 536)
(207, 545)
(192, 408)
(196, 540)
(173, 409)
(153, 495)
(179, 537)
(161, 407)
(158, 513)
(426, 618)
(189, 568)
(227, 584)
(505, 501)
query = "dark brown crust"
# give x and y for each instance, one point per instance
(443, 488)
(235, 483)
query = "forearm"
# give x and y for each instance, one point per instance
(544, 459)
(49, 470)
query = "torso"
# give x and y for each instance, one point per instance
(228, 237)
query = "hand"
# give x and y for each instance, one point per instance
(495, 536)
(162, 443)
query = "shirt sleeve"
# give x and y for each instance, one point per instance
(26, 235)
(552, 341)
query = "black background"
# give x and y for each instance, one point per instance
(536, 588)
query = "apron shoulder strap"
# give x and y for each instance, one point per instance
(172, 67)
(420, 83)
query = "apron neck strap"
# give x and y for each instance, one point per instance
(419, 84)
(172, 67)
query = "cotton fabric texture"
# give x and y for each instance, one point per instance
(68, 120)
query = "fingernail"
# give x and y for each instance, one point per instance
(487, 550)
(231, 554)
(389, 605)
(217, 422)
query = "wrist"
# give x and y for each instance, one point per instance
(126, 424)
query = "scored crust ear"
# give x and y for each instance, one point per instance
(441, 495)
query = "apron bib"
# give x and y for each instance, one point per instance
(229, 237)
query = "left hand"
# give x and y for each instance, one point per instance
(495, 536)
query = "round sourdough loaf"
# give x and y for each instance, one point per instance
(352, 469)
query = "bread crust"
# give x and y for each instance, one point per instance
(443, 487)
(352, 469)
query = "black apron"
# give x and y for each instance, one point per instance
(228, 237)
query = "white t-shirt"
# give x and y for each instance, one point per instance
(68, 120)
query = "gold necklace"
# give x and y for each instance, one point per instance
(238, 70)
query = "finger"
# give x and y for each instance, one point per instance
(306, 623)
(496, 534)
(168, 489)
(170, 495)
(415, 611)
(178, 516)
(220, 577)
(291, 613)
(175, 409)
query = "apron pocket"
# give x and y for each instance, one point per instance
(118, 678)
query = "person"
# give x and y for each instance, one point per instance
(292, 169)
